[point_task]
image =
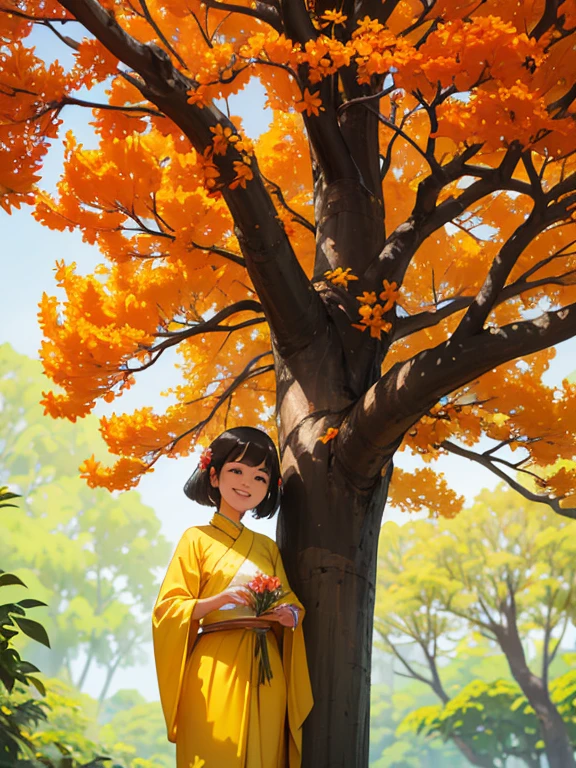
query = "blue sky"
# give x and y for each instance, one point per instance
(29, 252)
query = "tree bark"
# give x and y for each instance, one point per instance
(328, 532)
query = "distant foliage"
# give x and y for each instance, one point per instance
(90, 557)
(497, 582)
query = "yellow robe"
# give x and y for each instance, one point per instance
(214, 708)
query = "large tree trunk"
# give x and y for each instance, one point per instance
(328, 532)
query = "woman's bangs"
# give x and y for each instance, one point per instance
(252, 455)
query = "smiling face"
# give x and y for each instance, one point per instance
(241, 487)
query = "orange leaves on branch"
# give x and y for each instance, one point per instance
(443, 422)
(424, 490)
(124, 475)
(94, 63)
(500, 117)
(154, 207)
(27, 120)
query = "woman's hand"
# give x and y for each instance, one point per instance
(236, 595)
(232, 595)
(283, 614)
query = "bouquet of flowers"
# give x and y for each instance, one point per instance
(265, 592)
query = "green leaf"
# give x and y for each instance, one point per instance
(30, 602)
(26, 667)
(6, 496)
(38, 684)
(10, 579)
(33, 629)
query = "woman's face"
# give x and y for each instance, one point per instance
(241, 487)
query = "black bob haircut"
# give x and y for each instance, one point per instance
(249, 445)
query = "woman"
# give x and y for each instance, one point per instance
(204, 630)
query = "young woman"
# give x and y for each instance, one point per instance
(205, 631)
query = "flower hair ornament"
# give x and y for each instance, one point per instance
(205, 459)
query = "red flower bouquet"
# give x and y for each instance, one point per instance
(265, 593)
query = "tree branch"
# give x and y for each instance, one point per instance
(247, 373)
(405, 326)
(262, 12)
(292, 306)
(373, 429)
(489, 464)
(276, 190)
(500, 269)
(213, 325)
(427, 217)
(160, 34)
(230, 255)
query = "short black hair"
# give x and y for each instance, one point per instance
(254, 447)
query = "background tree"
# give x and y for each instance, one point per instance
(496, 720)
(91, 557)
(374, 277)
(505, 572)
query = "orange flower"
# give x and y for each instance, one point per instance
(198, 96)
(209, 170)
(333, 17)
(223, 136)
(311, 103)
(389, 294)
(372, 318)
(330, 434)
(340, 276)
(367, 298)
(243, 173)
(262, 583)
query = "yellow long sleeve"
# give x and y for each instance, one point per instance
(173, 629)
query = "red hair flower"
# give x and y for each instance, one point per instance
(205, 459)
(279, 482)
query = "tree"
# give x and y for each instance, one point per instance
(370, 275)
(495, 718)
(91, 557)
(505, 572)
